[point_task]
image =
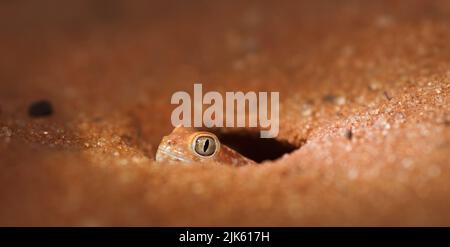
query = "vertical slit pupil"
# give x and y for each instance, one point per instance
(205, 147)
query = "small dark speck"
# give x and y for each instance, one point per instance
(387, 95)
(42, 108)
(349, 134)
(329, 98)
(127, 139)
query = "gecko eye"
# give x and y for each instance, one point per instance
(205, 145)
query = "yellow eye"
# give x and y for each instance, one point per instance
(205, 145)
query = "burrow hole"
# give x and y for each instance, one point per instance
(249, 144)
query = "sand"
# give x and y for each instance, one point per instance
(364, 96)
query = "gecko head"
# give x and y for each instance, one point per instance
(187, 145)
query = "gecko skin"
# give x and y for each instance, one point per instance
(187, 145)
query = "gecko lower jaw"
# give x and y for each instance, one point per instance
(164, 154)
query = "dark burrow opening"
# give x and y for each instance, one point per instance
(250, 145)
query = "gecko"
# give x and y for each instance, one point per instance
(188, 145)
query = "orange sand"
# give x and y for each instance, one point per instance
(378, 69)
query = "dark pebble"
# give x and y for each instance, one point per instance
(42, 108)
